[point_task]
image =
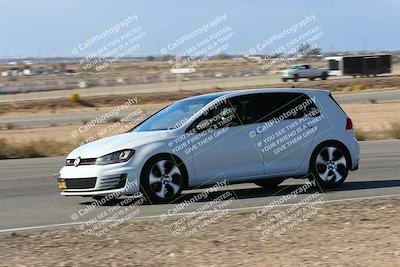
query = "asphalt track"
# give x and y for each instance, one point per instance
(66, 118)
(29, 199)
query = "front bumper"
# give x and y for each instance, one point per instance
(287, 75)
(118, 179)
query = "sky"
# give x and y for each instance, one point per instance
(53, 28)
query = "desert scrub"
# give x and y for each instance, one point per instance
(395, 131)
(74, 97)
(10, 126)
(34, 149)
(360, 135)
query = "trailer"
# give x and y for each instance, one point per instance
(365, 65)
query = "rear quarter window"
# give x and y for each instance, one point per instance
(274, 105)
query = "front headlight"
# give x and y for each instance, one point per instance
(116, 157)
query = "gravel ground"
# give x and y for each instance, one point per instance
(356, 233)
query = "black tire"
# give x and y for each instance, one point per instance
(296, 78)
(329, 165)
(311, 79)
(324, 76)
(162, 179)
(270, 183)
(284, 80)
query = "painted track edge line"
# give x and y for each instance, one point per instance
(48, 226)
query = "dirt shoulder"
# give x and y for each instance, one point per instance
(354, 233)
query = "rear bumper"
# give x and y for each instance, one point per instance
(355, 154)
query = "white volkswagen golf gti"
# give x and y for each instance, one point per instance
(262, 136)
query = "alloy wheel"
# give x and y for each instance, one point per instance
(165, 179)
(331, 165)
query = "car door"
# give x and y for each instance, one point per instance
(290, 123)
(302, 71)
(223, 147)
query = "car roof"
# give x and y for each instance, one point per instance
(261, 90)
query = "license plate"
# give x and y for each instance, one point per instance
(62, 185)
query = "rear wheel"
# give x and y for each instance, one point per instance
(324, 76)
(329, 165)
(270, 183)
(162, 179)
(296, 78)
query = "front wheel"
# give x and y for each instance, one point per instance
(162, 179)
(324, 76)
(329, 166)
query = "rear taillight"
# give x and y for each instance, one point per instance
(349, 124)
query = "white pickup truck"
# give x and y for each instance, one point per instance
(303, 71)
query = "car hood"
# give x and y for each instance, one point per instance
(111, 144)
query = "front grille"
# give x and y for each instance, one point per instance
(80, 183)
(88, 161)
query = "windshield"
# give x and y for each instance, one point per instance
(175, 115)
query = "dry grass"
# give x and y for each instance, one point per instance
(10, 126)
(33, 149)
(395, 131)
(374, 120)
(360, 135)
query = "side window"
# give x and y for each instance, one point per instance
(299, 106)
(243, 110)
(231, 112)
(333, 64)
(283, 106)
